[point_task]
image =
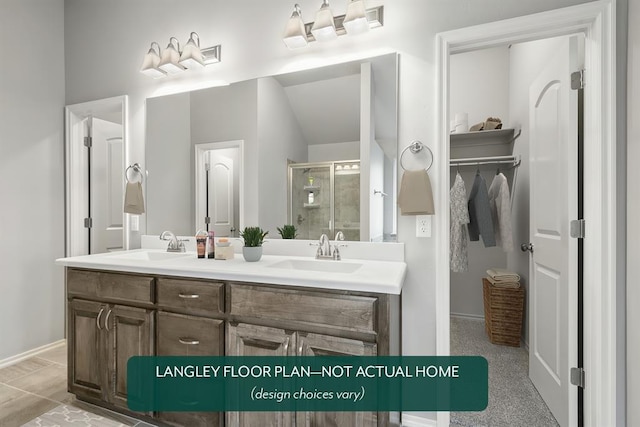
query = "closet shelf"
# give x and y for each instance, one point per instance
(497, 142)
(496, 136)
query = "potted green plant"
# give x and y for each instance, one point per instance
(288, 232)
(253, 238)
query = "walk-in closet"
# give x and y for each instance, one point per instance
(495, 119)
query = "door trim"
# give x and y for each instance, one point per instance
(74, 114)
(596, 20)
(200, 149)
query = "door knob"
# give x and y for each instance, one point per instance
(526, 247)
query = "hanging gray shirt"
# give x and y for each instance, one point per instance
(480, 220)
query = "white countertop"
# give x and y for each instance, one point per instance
(376, 276)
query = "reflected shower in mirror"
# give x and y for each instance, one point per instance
(328, 119)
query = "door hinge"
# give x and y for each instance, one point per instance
(88, 141)
(207, 220)
(578, 228)
(577, 80)
(88, 222)
(578, 377)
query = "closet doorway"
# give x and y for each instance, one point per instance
(518, 166)
(95, 147)
(595, 21)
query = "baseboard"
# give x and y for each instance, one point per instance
(415, 421)
(30, 353)
(467, 316)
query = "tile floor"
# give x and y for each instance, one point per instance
(34, 393)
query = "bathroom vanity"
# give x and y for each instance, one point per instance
(150, 302)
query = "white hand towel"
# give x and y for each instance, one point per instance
(503, 276)
(500, 284)
(133, 199)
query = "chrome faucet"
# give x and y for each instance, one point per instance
(326, 250)
(175, 245)
(336, 252)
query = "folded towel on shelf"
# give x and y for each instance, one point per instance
(133, 199)
(416, 194)
(503, 276)
(501, 284)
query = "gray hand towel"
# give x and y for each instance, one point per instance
(133, 199)
(416, 195)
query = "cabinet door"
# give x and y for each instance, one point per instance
(181, 335)
(325, 345)
(252, 340)
(86, 348)
(129, 334)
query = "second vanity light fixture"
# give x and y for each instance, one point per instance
(326, 27)
(173, 60)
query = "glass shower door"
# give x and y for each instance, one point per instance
(347, 199)
(311, 202)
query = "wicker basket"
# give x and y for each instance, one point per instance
(503, 313)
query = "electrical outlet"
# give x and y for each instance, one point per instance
(135, 222)
(423, 225)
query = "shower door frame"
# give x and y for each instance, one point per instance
(332, 181)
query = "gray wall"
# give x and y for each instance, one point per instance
(250, 33)
(280, 138)
(31, 174)
(633, 200)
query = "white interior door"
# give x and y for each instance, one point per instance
(221, 194)
(553, 151)
(107, 181)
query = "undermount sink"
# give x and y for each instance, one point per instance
(150, 256)
(320, 266)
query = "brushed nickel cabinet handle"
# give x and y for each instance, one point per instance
(98, 318)
(189, 341)
(300, 348)
(189, 296)
(286, 346)
(106, 320)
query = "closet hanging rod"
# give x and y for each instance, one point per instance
(476, 161)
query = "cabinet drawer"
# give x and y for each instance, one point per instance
(196, 297)
(113, 286)
(182, 335)
(349, 312)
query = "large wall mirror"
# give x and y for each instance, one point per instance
(316, 149)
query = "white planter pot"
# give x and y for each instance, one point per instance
(252, 254)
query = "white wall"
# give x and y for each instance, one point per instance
(633, 207)
(250, 33)
(479, 87)
(279, 139)
(169, 197)
(31, 174)
(334, 151)
(229, 113)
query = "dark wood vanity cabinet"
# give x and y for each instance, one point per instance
(110, 319)
(113, 316)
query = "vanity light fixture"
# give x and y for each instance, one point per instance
(151, 62)
(357, 20)
(295, 34)
(191, 56)
(324, 27)
(171, 57)
(173, 61)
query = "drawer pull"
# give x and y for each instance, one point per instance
(189, 341)
(189, 296)
(106, 321)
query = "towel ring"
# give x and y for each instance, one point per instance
(415, 147)
(136, 168)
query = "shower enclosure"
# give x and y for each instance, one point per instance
(324, 198)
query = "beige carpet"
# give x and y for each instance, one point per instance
(513, 400)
